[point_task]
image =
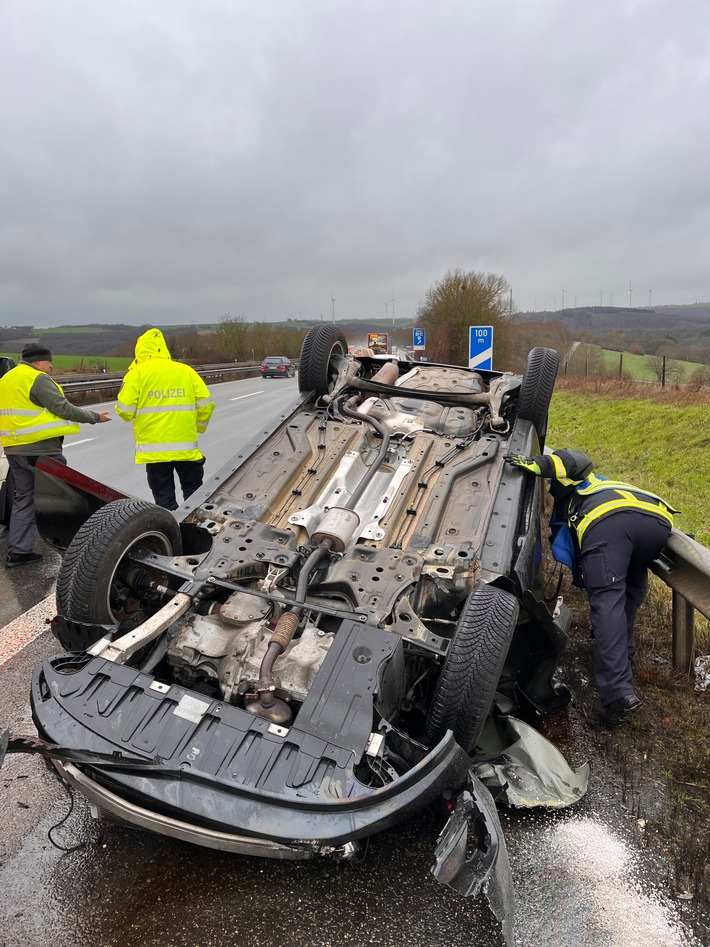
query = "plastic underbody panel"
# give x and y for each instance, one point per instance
(218, 766)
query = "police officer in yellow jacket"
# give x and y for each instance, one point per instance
(169, 405)
(609, 533)
(34, 419)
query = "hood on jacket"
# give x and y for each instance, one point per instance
(151, 344)
(569, 466)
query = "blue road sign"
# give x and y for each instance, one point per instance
(480, 347)
(419, 338)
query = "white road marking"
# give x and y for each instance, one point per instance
(84, 441)
(261, 391)
(18, 633)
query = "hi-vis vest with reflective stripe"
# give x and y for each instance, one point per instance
(169, 404)
(22, 421)
(596, 496)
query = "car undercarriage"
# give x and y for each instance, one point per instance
(337, 630)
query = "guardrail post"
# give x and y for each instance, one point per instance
(683, 633)
(684, 566)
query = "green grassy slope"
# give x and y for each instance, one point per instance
(82, 363)
(664, 448)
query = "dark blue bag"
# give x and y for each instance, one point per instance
(564, 548)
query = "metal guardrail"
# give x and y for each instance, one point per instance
(110, 380)
(684, 565)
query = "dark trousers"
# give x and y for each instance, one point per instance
(22, 531)
(616, 554)
(161, 480)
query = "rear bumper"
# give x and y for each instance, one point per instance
(106, 804)
(253, 823)
(470, 854)
(161, 756)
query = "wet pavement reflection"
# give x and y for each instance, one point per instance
(23, 586)
(123, 888)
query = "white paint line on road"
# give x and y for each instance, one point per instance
(18, 633)
(260, 392)
(83, 441)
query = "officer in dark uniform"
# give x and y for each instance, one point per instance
(608, 533)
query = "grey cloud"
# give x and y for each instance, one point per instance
(175, 160)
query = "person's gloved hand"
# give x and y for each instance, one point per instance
(520, 460)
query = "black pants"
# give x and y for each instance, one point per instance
(161, 480)
(616, 554)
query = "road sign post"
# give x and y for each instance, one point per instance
(480, 347)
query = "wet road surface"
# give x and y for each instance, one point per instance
(583, 876)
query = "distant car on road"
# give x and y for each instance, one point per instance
(277, 366)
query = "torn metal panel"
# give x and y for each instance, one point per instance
(531, 771)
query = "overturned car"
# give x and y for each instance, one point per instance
(339, 629)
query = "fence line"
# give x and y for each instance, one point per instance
(663, 371)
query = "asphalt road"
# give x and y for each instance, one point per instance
(583, 877)
(105, 451)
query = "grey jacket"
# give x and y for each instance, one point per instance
(45, 393)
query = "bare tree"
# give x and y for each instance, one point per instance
(462, 299)
(260, 342)
(664, 369)
(231, 337)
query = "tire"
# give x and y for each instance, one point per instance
(319, 346)
(536, 389)
(469, 678)
(90, 574)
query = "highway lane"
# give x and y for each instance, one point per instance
(105, 452)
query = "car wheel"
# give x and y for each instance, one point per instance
(537, 387)
(319, 346)
(469, 678)
(92, 586)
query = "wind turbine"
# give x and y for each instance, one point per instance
(332, 304)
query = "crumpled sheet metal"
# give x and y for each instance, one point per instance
(471, 855)
(532, 772)
(701, 669)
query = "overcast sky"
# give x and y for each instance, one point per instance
(177, 160)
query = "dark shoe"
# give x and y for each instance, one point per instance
(22, 558)
(620, 711)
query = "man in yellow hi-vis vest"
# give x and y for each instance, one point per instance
(169, 405)
(608, 533)
(34, 419)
